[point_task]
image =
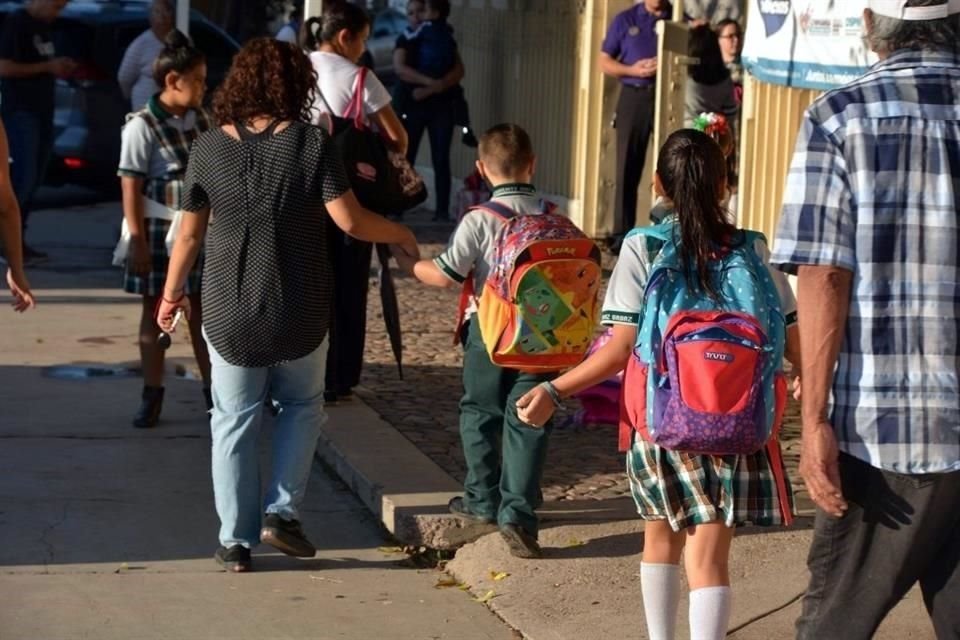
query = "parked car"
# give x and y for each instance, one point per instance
(90, 109)
(387, 26)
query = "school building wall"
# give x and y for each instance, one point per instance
(771, 120)
(534, 62)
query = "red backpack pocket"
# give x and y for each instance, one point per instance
(716, 376)
(633, 402)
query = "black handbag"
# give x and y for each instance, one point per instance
(383, 180)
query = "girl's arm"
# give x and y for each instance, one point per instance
(536, 407)
(138, 258)
(10, 232)
(387, 121)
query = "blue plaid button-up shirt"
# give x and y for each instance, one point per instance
(874, 188)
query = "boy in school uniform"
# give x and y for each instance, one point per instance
(506, 492)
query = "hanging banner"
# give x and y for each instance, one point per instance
(810, 44)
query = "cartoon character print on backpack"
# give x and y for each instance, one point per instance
(539, 302)
(576, 283)
(541, 306)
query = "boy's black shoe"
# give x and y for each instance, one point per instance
(458, 508)
(521, 543)
(286, 536)
(235, 558)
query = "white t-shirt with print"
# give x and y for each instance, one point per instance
(624, 300)
(336, 79)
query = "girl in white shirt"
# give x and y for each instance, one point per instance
(337, 40)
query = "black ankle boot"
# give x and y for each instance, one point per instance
(149, 413)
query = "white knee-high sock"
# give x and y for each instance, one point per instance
(709, 613)
(660, 585)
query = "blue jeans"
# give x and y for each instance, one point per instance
(238, 394)
(31, 144)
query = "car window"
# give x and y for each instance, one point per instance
(388, 23)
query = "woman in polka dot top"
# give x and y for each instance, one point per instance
(266, 181)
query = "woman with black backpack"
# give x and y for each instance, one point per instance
(337, 41)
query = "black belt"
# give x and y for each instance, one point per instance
(638, 87)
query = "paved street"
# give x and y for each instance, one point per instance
(109, 532)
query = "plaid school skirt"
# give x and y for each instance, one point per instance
(687, 489)
(151, 284)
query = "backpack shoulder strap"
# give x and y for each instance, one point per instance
(658, 236)
(500, 210)
(660, 232)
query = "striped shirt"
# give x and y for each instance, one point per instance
(874, 188)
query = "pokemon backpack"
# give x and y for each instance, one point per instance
(539, 306)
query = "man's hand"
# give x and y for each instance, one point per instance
(62, 67)
(139, 260)
(820, 467)
(20, 290)
(645, 68)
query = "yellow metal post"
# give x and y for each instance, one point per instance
(678, 10)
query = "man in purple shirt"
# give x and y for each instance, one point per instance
(629, 53)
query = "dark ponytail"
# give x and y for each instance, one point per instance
(178, 56)
(337, 15)
(693, 172)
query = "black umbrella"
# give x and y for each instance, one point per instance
(391, 309)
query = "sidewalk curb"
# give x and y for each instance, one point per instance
(400, 485)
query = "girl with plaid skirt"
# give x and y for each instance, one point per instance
(689, 501)
(155, 148)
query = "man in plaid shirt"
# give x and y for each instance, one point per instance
(870, 224)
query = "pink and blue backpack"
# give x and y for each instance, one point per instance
(706, 376)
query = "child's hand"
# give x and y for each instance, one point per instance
(536, 407)
(796, 389)
(404, 260)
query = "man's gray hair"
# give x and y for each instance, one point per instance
(890, 34)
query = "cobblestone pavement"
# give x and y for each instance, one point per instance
(582, 462)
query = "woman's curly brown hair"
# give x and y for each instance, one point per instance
(268, 78)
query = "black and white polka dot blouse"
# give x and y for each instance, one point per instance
(267, 279)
